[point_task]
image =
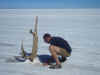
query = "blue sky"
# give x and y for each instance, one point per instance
(49, 4)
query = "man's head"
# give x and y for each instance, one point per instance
(47, 37)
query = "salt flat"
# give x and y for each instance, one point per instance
(80, 27)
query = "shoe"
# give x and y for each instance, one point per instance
(55, 66)
(62, 59)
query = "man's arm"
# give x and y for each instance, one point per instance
(54, 54)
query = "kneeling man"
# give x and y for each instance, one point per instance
(58, 46)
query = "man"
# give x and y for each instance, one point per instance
(58, 46)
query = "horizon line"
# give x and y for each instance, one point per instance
(49, 8)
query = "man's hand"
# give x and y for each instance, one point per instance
(45, 64)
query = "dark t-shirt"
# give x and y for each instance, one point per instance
(60, 42)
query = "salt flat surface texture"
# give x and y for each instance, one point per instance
(80, 27)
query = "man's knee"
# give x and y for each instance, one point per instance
(54, 49)
(51, 48)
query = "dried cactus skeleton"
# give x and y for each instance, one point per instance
(35, 43)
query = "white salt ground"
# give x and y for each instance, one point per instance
(80, 27)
